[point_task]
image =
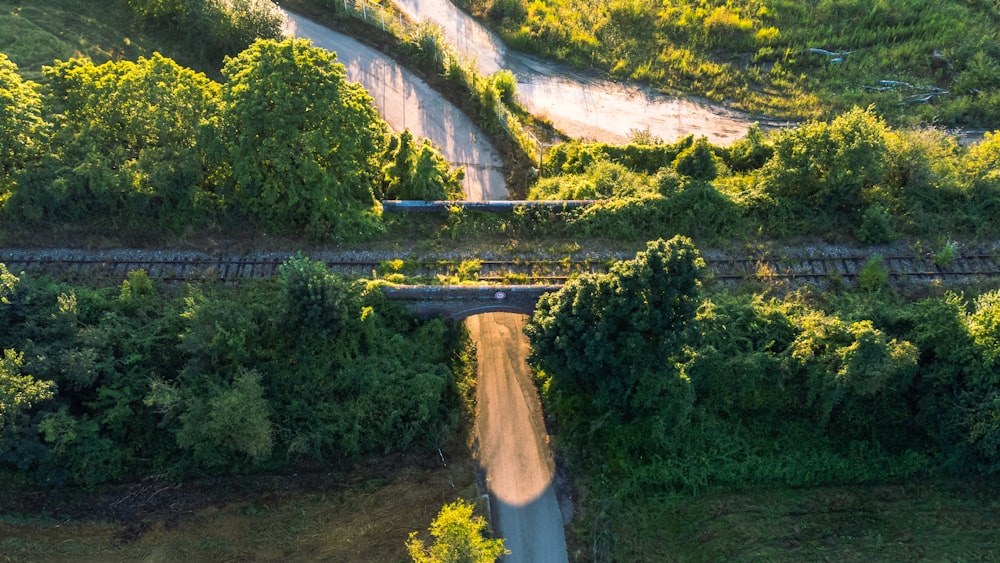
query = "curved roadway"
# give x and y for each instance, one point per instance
(580, 106)
(513, 445)
(406, 102)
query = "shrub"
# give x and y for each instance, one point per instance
(876, 226)
(873, 276)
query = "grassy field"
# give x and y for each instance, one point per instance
(35, 33)
(364, 515)
(801, 59)
(367, 516)
(945, 521)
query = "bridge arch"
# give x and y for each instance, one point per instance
(455, 303)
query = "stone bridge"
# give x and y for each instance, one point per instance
(456, 302)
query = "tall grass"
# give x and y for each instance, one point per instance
(765, 55)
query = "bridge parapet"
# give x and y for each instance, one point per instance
(456, 302)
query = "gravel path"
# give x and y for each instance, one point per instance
(513, 445)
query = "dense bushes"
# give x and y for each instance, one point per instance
(799, 390)
(121, 383)
(129, 144)
(853, 177)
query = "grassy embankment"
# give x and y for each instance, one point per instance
(34, 34)
(767, 56)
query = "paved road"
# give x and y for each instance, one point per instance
(406, 102)
(581, 106)
(513, 445)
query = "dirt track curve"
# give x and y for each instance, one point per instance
(582, 106)
(513, 444)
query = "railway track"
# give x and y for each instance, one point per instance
(733, 271)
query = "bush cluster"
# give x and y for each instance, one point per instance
(125, 382)
(656, 384)
(285, 144)
(850, 178)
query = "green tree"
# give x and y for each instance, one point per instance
(302, 142)
(315, 300)
(615, 339)
(698, 161)
(22, 130)
(228, 422)
(458, 538)
(822, 169)
(126, 140)
(18, 392)
(418, 171)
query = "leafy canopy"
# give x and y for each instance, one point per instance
(458, 538)
(616, 338)
(303, 143)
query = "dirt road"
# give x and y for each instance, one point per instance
(581, 106)
(513, 445)
(406, 102)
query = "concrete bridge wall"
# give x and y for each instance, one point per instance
(456, 302)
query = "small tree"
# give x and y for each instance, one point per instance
(458, 538)
(18, 392)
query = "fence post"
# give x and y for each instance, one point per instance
(345, 6)
(382, 13)
(364, 10)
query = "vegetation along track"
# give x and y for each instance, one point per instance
(169, 266)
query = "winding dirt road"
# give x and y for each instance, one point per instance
(406, 102)
(513, 444)
(581, 106)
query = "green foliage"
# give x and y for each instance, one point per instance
(984, 327)
(873, 275)
(697, 161)
(77, 445)
(157, 8)
(22, 130)
(310, 161)
(750, 152)
(822, 169)
(506, 85)
(217, 28)
(18, 392)
(137, 380)
(458, 538)
(227, 422)
(428, 47)
(876, 225)
(418, 172)
(314, 299)
(798, 390)
(595, 338)
(946, 255)
(125, 144)
(575, 157)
